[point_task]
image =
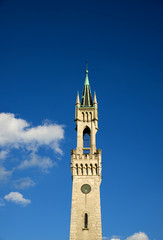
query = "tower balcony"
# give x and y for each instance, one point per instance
(86, 155)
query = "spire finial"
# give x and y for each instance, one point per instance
(86, 66)
(86, 78)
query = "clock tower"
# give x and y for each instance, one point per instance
(86, 170)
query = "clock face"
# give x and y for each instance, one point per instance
(85, 188)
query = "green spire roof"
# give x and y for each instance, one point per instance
(86, 78)
(86, 100)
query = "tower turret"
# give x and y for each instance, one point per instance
(95, 99)
(77, 99)
(95, 107)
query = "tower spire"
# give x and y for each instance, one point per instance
(86, 96)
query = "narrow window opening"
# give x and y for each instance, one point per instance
(77, 169)
(82, 169)
(86, 220)
(96, 168)
(86, 166)
(91, 169)
(86, 140)
(83, 117)
(86, 116)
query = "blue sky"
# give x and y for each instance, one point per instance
(43, 50)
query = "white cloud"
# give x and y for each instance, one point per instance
(138, 236)
(17, 133)
(44, 163)
(17, 198)
(25, 142)
(135, 236)
(4, 174)
(2, 203)
(24, 183)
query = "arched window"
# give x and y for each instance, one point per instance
(96, 168)
(91, 169)
(81, 169)
(77, 169)
(85, 220)
(83, 117)
(86, 116)
(86, 167)
(86, 140)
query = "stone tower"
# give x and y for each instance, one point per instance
(86, 171)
